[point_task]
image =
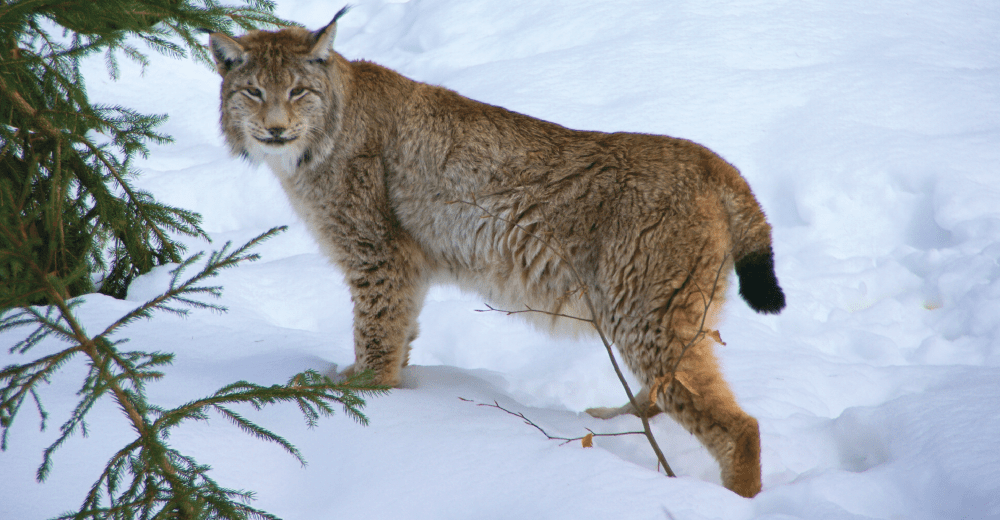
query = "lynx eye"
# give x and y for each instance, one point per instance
(296, 92)
(254, 93)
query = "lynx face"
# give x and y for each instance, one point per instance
(275, 99)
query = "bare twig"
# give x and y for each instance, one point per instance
(529, 422)
(490, 308)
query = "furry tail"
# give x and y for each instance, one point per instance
(758, 284)
(751, 239)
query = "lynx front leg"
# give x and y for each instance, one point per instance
(387, 291)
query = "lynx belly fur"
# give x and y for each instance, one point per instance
(405, 184)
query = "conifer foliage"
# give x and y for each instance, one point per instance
(71, 222)
(147, 478)
(66, 201)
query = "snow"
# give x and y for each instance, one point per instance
(870, 133)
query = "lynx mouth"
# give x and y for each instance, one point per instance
(277, 141)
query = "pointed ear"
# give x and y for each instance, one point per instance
(323, 45)
(228, 53)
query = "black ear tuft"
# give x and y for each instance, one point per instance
(341, 12)
(318, 33)
(323, 38)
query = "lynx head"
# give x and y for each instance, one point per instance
(280, 94)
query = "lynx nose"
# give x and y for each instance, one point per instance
(276, 131)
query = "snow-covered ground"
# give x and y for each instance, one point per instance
(870, 132)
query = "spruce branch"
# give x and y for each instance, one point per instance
(147, 478)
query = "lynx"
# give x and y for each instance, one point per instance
(405, 184)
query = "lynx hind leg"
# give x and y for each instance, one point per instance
(701, 401)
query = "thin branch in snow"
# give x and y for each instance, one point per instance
(565, 440)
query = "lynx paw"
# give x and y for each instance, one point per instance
(390, 380)
(609, 412)
(347, 373)
(642, 398)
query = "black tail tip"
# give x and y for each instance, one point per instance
(758, 284)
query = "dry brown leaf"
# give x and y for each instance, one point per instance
(658, 385)
(714, 334)
(685, 381)
(588, 440)
(661, 383)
